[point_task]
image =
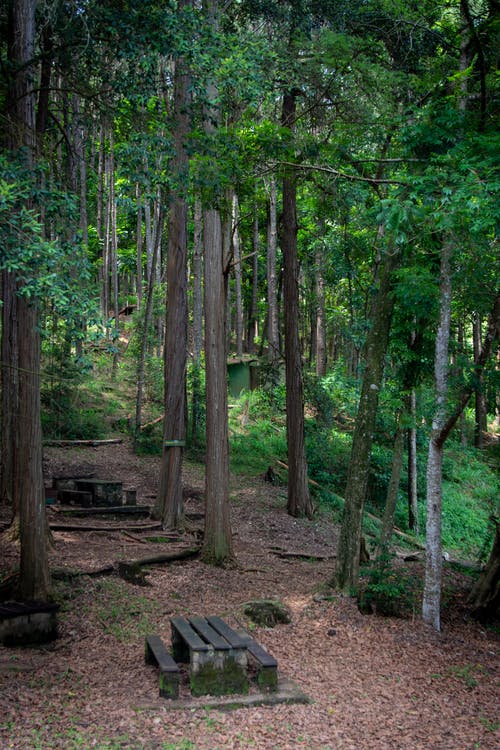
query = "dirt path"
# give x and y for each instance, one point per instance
(375, 683)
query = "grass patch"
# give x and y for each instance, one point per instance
(121, 612)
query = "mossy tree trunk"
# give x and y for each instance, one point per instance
(375, 349)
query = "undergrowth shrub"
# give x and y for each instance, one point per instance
(386, 590)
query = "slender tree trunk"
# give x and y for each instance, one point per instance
(10, 391)
(375, 349)
(238, 299)
(392, 492)
(197, 315)
(461, 350)
(299, 500)
(320, 319)
(253, 313)
(480, 425)
(139, 246)
(148, 310)
(113, 249)
(412, 465)
(431, 604)
(170, 501)
(272, 278)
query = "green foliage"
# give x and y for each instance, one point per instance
(385, 590)
(52, 271)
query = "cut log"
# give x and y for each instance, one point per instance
(130, 570)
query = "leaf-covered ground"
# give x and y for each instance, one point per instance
(374, 682)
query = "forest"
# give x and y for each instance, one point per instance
(256, 244)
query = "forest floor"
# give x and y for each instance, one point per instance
(374, 683)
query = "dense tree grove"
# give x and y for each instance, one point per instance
(334, 164)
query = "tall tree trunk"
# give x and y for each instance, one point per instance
(375, 349)
(299, 500)
(197, 315)
(412, 465)
(139, 246)
(431, 604)
(34, 577)
(320, 319)
(10, 391)
(217, 545)
(141, 365)
(170, 503)
(392, 492)
(113, 250)
(238, 299)
(480, 425)
(272, 278)
(252, 330)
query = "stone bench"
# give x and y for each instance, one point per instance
(156, 653)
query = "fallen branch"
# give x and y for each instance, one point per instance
(126, 510)
(62, 573)
(121, 529)
(150, 424)
(311, 556)
(91, 443)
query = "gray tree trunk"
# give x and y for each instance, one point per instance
(412, 465)
(431, 604)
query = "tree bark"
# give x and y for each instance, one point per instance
(253, 319)
(485, 595)
(392, 492)
(480, 425)
(272, 279)
(412, 465)
(217, 546)
(197, 315)
(320, 319)
(375, 349)
(238, 299)
(431, 604)
(138, 282)
(29, 496)
(299, 500)
(170, 506)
